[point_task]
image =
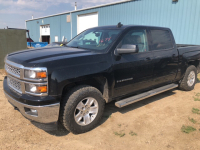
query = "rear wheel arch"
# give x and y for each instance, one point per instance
(183, 85)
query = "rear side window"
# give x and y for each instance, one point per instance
(161, 39)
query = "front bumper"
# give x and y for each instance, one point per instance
(45, 114)
(40, 112)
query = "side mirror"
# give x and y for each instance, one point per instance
(97, 34)
(127, 49)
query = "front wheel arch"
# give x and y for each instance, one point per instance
(100, 83)
(69, 104)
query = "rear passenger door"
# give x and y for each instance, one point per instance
(165, 56)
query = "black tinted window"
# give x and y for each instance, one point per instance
(161, 39)
(136, 37)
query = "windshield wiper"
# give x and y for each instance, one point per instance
(74, 46)
(77, 47)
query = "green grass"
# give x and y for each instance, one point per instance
(195, 110)
(132, 133)
(120, 134)
(198, 94)
(119, 125)
(192, 120)
(196, 99)
(187, 129)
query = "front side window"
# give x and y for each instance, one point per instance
(136, 37)
(94, 39)
(161, 40)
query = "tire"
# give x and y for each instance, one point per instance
(71, 112)
(185, 84)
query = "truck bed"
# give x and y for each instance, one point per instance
(183, 48)
(185, 45)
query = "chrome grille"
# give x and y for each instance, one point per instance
(16, 80)
(14, 85)
(12, 70)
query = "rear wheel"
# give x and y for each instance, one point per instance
(189, 80)
(82, 109)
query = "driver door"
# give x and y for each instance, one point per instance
(133, 72)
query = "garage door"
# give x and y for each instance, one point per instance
(45, 30)
(87, 21)
(45, 33)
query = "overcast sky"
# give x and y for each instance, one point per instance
(13, 13)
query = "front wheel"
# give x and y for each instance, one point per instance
(189, 80)
(81, 109)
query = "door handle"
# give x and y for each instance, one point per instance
(148, 58)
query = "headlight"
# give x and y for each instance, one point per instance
(38, 74)
(35, 74)
(37, 89)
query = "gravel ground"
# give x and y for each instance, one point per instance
(154, 123)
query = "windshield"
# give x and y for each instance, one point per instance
(94, 39)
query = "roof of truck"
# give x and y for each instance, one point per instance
(126, 26)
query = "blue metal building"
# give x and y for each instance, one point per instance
(182, 16)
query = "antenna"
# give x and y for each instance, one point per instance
(119, 25)
(75, 6)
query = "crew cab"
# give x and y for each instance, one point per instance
(71, 84)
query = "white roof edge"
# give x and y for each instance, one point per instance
(81, 9)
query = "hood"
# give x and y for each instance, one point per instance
(32, 57)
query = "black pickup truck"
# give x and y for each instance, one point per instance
(71, 84)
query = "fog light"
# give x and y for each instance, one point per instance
(31, 112)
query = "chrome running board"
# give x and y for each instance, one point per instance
(142, 96)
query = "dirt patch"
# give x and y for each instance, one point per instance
(159, 122)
